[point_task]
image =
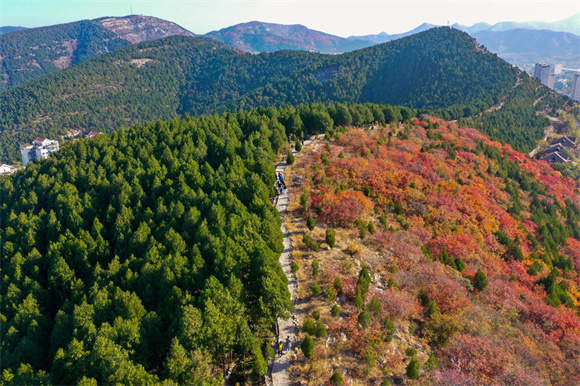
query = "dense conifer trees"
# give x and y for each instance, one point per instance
(147, 254)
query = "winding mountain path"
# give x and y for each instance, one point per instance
(288, 329)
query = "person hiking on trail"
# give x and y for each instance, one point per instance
(281, 180)
(280, 349)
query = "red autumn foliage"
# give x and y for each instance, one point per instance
(477, 357)
(573, 250)
(456, 245)
(508, 334)
(399, 304)
(342, 208)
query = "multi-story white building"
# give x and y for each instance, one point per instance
(557, 68)
(576, 87)
(39, 149)
(545, 74)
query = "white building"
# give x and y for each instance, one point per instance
(576, 87)
(545, 74)
(39, 149)
(9, 169)
(557, 68)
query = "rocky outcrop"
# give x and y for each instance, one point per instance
(31, 53)
(137, 28)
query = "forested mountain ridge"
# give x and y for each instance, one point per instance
(522, 46)
(150, 254)
(439, 68)
(521, 117)
(31, 53)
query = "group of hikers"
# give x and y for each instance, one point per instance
(280, 184)
(284, 346)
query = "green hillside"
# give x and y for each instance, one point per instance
(151, 253)
(28, 54)
(522, 119)
(31, 53)
(166, 78)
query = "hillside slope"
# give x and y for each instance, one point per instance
(31, 53)
(438, 68)
(150, 254)
(428, 254)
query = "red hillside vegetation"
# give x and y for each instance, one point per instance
(472, 249)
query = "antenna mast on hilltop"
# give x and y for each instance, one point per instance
(130, 10)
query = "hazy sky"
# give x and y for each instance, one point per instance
(340, 17)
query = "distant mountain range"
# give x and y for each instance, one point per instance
(257, 36)
(522, 44)
(8, 28)
(571, 25)
(268, 37)
(385, 37)
(27, 54)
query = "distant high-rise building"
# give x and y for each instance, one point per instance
(545, 74)
(576, 88)
(39, 149)
(557, 68)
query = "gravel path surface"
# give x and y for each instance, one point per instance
(288, 328)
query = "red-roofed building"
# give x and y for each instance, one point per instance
(92, 134)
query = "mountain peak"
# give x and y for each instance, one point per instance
(138, 28)
(257, 36)
(59, 46)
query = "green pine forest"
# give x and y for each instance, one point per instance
(151, 253)
(437, 69)
(519, 122)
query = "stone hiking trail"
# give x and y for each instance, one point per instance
(287, 328)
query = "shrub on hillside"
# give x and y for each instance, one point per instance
(310, 222)
(307, 240)
(330, 237)
(480, 280)
(364, 319)
(389, 328)
(298, 145)
(336, 379)
(309, 326)
(413, 368)
(335, 311)
(307, 347)
(316, 290)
